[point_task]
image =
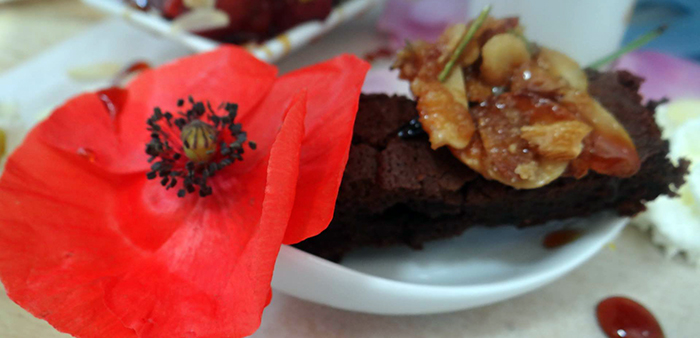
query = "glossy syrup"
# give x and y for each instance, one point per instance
(137, 67)
(113, 99)
(124, 74)
(87, 154)
(622, 317)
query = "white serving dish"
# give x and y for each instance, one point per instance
(483, 266)
(480, 267)
(270, 50)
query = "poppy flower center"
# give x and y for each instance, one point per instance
(191, 147)
(199, 139)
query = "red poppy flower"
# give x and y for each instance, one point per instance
(89, 244)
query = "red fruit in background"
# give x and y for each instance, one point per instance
(250, 20)
(172, 8)
(288, 13)
(169, 8)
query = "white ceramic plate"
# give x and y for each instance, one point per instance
(480, 267)
(483, 266)
(270, 50)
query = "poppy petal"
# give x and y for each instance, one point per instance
(227, 74)
(334, 96)
(132, 259)
(58, 239)
(334, 92)
(100, 143)
(116, 139)
(332, 107)
(210, 275)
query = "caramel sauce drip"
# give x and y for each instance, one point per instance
(559, 238)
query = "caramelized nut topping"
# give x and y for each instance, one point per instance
(444, 111)
(443, 107)
(564, 67)
(527, 171)
(507, 156)
(514, 112)
(559, 141)
(501, 55)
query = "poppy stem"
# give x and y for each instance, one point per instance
(464, 42)
(637, 43)
(2, 143)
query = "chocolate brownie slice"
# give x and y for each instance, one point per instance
(400, 191)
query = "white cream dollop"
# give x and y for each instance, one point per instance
(674, 223)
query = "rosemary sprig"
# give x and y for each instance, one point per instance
(463, 44)
(637, 43)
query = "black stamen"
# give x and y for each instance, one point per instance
(166, 145)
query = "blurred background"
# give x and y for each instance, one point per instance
(592, 27)
(683, 18)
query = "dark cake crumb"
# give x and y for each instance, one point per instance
(400, 191)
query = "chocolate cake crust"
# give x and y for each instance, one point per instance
(400, 191)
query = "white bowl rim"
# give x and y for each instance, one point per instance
(294, 261)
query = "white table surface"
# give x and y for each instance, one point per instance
(631, 267)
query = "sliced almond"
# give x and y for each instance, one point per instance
(563, 66)
(192, 4)
(95, 72)
(201, 19)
